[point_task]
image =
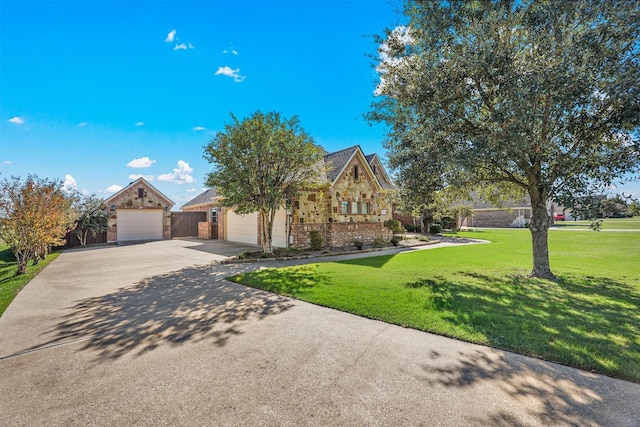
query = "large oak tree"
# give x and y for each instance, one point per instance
(538, 96)
(260, 163)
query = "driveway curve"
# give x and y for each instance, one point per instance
(152, 334)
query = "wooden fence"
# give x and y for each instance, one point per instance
(73, 241)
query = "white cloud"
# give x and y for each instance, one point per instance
(114, 188)
(69, 183)
(17, 120)
(142, 162)
(6, 162)
(137, 175)
(191, 190)
(180, 46)
(139, 124)
(170, 36)
(235, 52)
(82, 124)
(191, 46)
(229, 72)
(199, 128)
(180, 175)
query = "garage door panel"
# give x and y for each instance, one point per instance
(279, 236)
(144, 224)
(242, 228)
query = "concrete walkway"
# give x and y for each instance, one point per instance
(152, 334)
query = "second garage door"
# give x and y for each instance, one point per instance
(242, 228)
(139, 224)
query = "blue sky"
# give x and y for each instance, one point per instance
(99, 93)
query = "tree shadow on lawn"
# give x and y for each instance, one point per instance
(591, 323)
(192, 304)
(293, 282)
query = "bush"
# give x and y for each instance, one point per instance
(435, 228)
(448, 222)
(393, 225)
(358, 244)
(412, 228)
(379, 242)
(394, 241)
(316, 240)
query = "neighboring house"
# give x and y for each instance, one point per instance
(350, 205)
(138, 212)
(514, 213)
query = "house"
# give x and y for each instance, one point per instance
(513, 213)
(350, 205)
(138, 212)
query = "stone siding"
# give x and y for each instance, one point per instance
(128, 199)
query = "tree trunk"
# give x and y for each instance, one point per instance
(22, 261)
(266, 230)
(539, 227)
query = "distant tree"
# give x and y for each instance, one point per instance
(261, 163)
(635, 208)
(92, 219)
(35, 214)
(536, 96)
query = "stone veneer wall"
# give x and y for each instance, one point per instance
(128, 199)
(323, 205)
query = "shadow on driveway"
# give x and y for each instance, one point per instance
(192, 304)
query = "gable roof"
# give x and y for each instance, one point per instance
(339, 160)
(138, 182)
(386, 182)
(203, 198)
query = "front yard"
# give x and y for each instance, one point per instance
(590, 319)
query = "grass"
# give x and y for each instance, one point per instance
(589, 319)
(10, 284)
(607, 224)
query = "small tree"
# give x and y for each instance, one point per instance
(34, 215)
(92, 219)
(260, 163)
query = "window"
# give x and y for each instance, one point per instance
(140, 193)
(344, 208)
(364, 208)
(354, 207)
(214, 215)
(355, 172)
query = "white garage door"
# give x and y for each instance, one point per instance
(279, 236)
(139, 224)
(242, 228)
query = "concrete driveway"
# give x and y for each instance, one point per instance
(152, 334)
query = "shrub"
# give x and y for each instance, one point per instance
(448, 222)
(394, 241)
(358, 244)
(393, 225)
(379, 242)
(316, 240)
(435, 228)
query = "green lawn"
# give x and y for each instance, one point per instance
(589, 319)
(10, 284)
(607, 224)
